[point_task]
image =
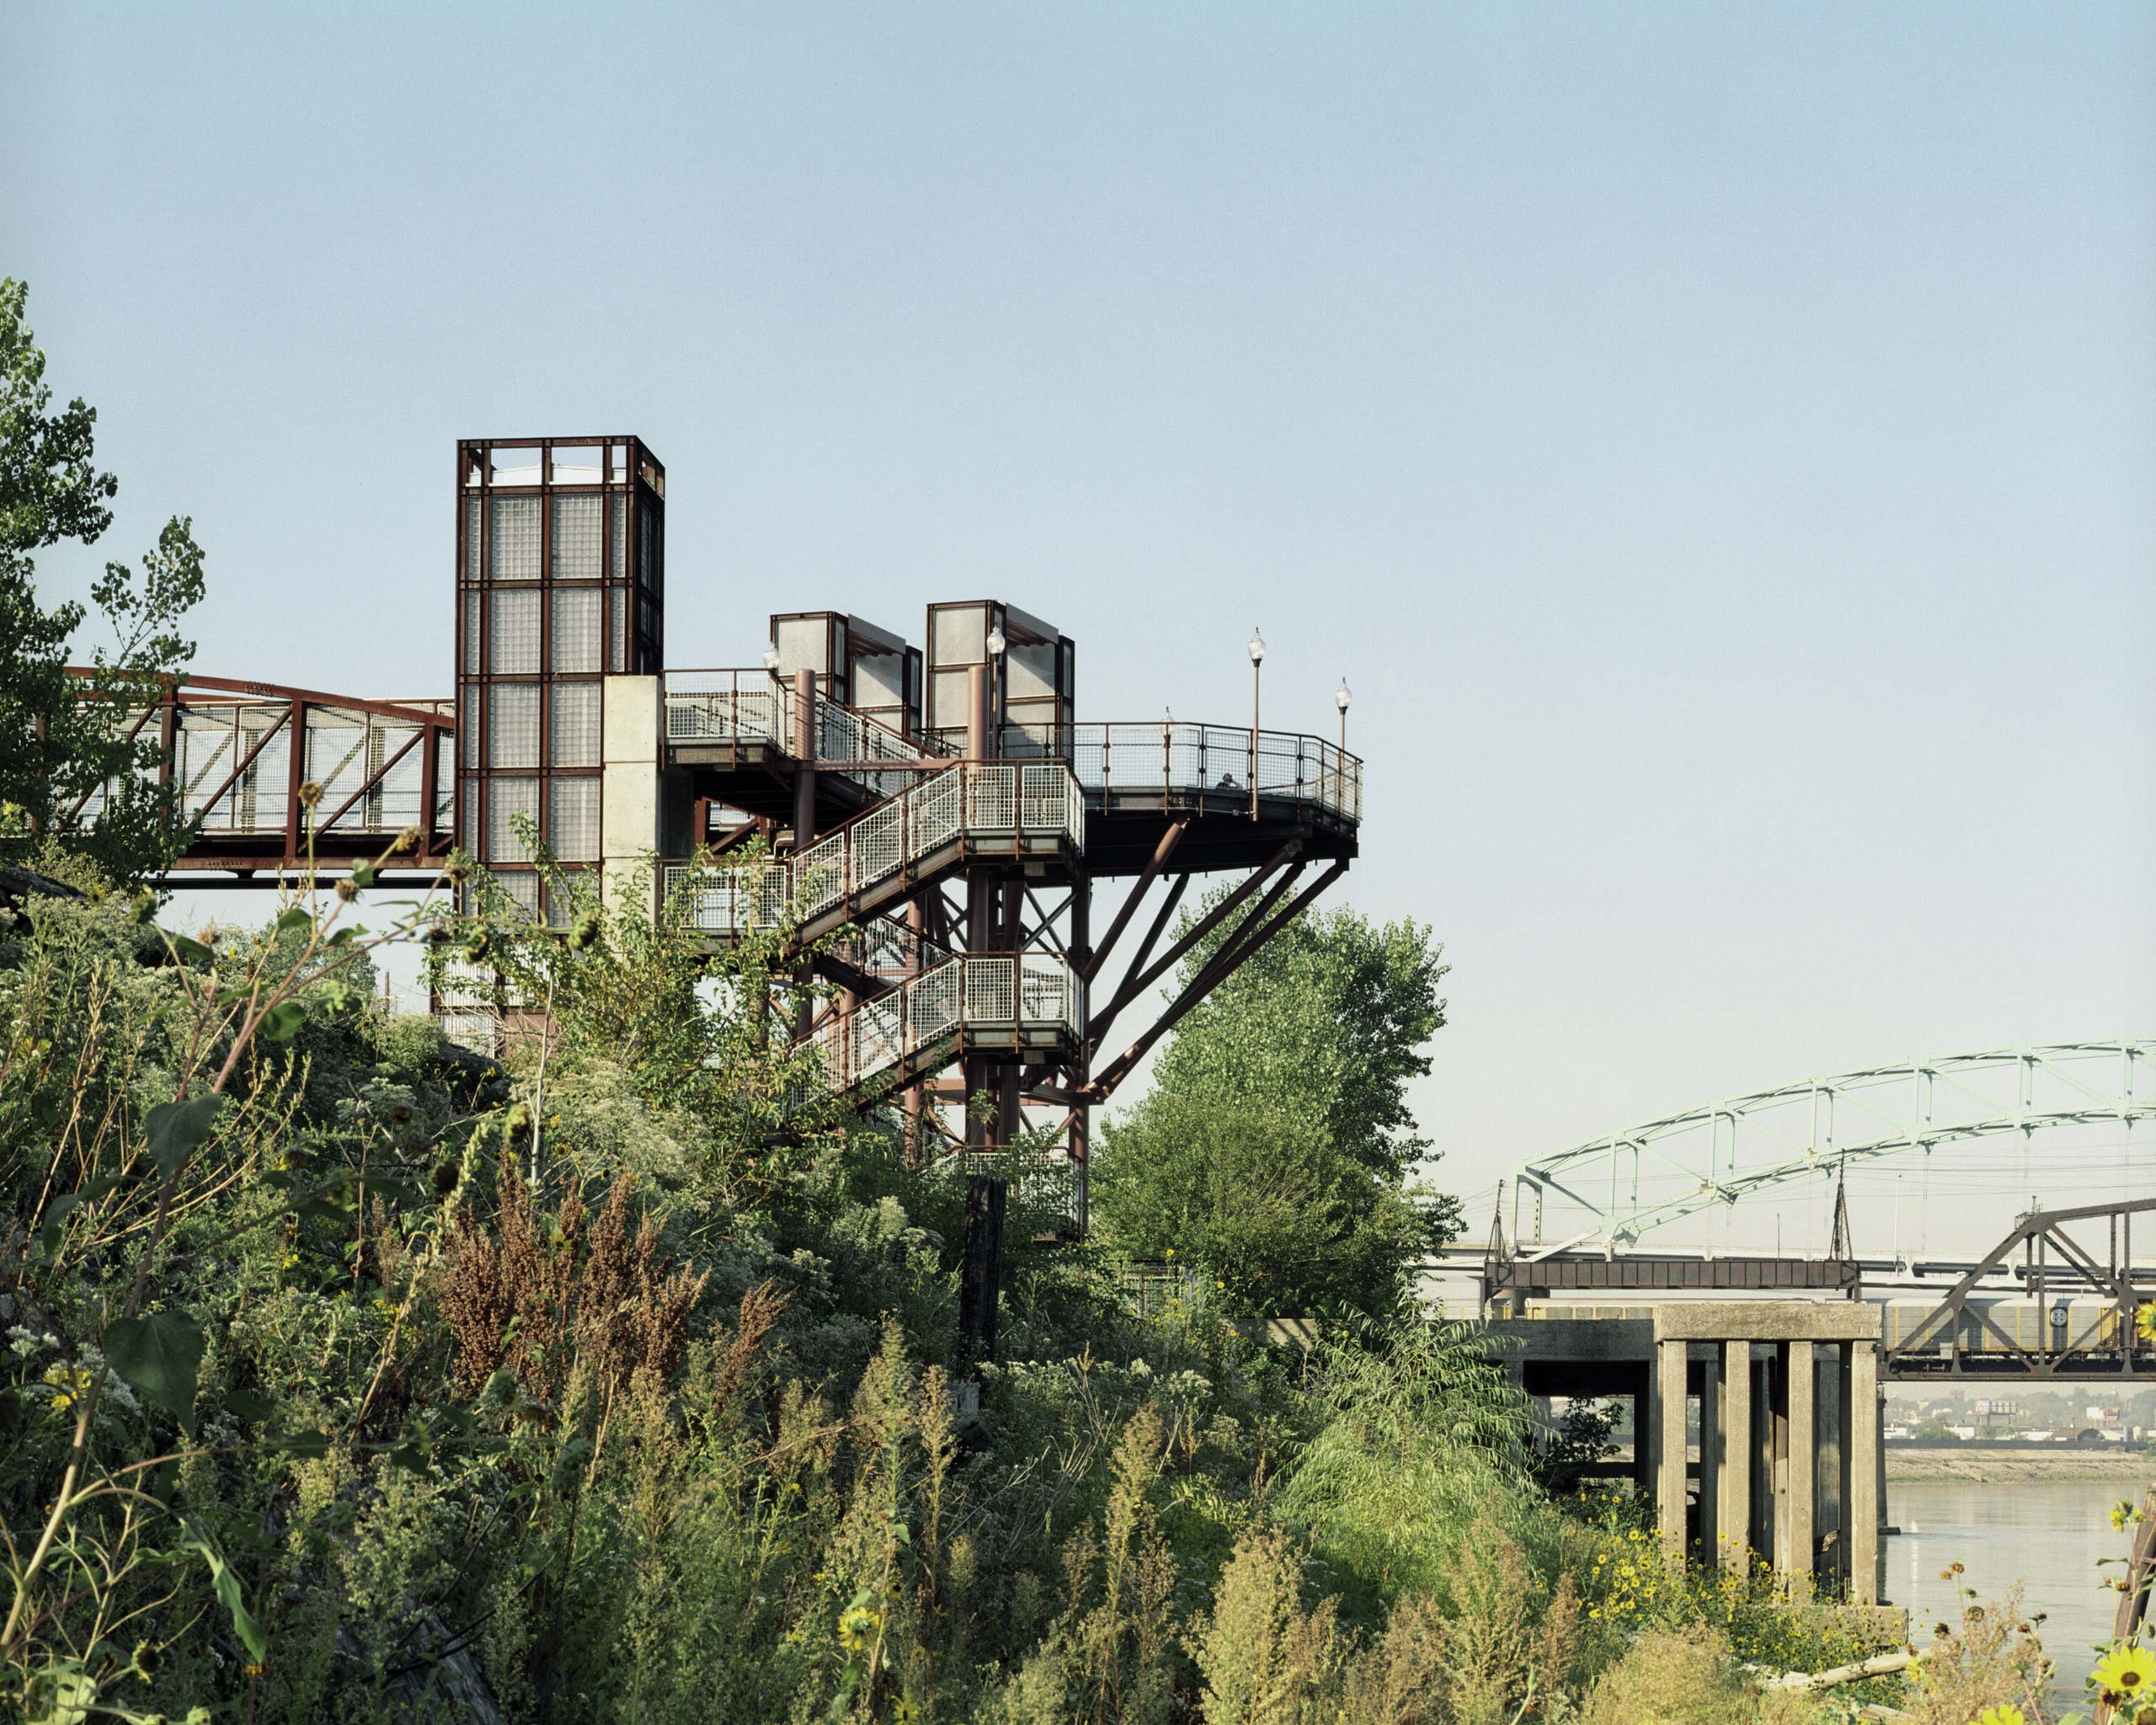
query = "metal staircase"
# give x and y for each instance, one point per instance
(1008, 1002)
(1024, 810)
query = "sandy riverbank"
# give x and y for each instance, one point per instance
(1991, 1466)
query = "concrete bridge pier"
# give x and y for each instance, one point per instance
(1784, 1395)
(1804, 1487)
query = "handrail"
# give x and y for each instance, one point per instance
(1172, 757)
(1025, 997)
(756, 706)
(1177, 758)
(1014, 807)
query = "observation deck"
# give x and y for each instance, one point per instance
(739, 733)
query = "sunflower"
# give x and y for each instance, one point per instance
(2145, 1322)
(2005, 1713)
(857, 1626)
(2126, 1671)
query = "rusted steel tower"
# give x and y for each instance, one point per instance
(561, 584)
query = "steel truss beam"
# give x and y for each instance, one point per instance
(2059, 1350)
(1255, 929)
(283, 845)
(1699, 1159)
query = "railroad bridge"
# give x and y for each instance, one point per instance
(1756, 1380)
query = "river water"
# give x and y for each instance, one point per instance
(2049, 1534)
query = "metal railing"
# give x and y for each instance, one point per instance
(754, 706)
(1004, 807)
(1011, 1000)
(1180, 761)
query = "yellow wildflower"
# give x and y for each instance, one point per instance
(2005, 1713)
(2126, 1672)
(69, 1382)
(857, 1626)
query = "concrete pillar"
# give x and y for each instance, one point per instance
(1803, 1461)
(1833, 1493)
(1669, 1488)
(629, 765)
(1711, 1455)
(1866, 1462)
(1647, 1437)
(1767, 1426)
(1734, 1513)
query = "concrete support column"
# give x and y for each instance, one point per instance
(1832, 1476)
(1734, 1512)
(1711, 1455)
(1647, 1423)
(1795, 1543)
(1669, 1488)
(628, 785)
(1865, 1464)
(1769, 1424)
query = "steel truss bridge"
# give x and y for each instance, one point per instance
(1610, 1191)
(2059, 1297)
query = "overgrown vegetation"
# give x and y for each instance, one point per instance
(352, 1377)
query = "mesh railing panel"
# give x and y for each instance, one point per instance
(992, 799)
(991, 992)
(817, 876)
(1049, 992)
(879, 1036)
(1043, 798)
(937, 811)
(878, 841)
(932, 1003)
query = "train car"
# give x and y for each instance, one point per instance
(2086, 1326)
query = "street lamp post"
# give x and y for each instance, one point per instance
(779, 728)
(1257, 650)
(1341, 699)
(995, 642)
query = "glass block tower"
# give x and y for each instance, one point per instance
(561, 582)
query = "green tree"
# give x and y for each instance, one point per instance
(63, 737)
(1264, 1201)
(1276, 1146)
(1329, 1019)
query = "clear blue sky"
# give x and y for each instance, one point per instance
(1719, 443)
